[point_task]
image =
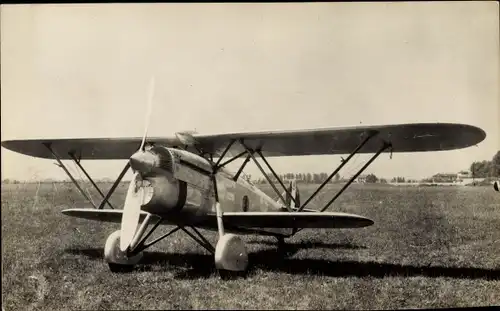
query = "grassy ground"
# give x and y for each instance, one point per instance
(429, 247)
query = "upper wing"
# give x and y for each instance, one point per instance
(404, 138)
(245, 219)
(83, 148)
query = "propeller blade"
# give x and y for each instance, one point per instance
(131, 213)
(148, 114)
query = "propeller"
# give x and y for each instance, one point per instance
(148, 114)
(136, 193)
(131, 212)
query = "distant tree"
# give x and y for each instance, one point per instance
(495, 165)
(337, 177)
(371, 178)
(323, 176)
(383, 180)
(481, 169)
(308, 178)
(316, 179)
(398, 179)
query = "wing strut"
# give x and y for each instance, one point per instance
(58, 159)
(117, 182)
(231, 160)
(110, 192)
(77, 162)
(385, 145)
(250, 153)
(235, 178)
(223, 153)
(344, 162)
(276, 176)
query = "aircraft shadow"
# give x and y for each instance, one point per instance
(196, 265)
(309, 244)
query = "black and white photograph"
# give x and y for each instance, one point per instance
(301, 155)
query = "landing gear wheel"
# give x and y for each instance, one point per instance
(231, 257)
(117, 260)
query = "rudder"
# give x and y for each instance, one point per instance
(293, 191)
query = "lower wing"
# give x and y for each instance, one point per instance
(295, 220)
(245, 219)
(102, 215)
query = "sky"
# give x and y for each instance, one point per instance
(83, 70)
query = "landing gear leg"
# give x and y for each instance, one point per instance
(230, 252)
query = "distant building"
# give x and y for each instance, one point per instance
(462, 178)
(464, 175)
(361, 179)
(445, 177)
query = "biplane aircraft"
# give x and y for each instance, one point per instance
(169, 170)
(183, 180)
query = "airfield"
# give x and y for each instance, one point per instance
(429, 247)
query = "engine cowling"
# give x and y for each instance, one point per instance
(166, 193)
(168, 173)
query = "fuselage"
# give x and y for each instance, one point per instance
(182, 190)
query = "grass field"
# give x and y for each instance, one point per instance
(429, 247)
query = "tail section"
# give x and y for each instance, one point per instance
(293, 192)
